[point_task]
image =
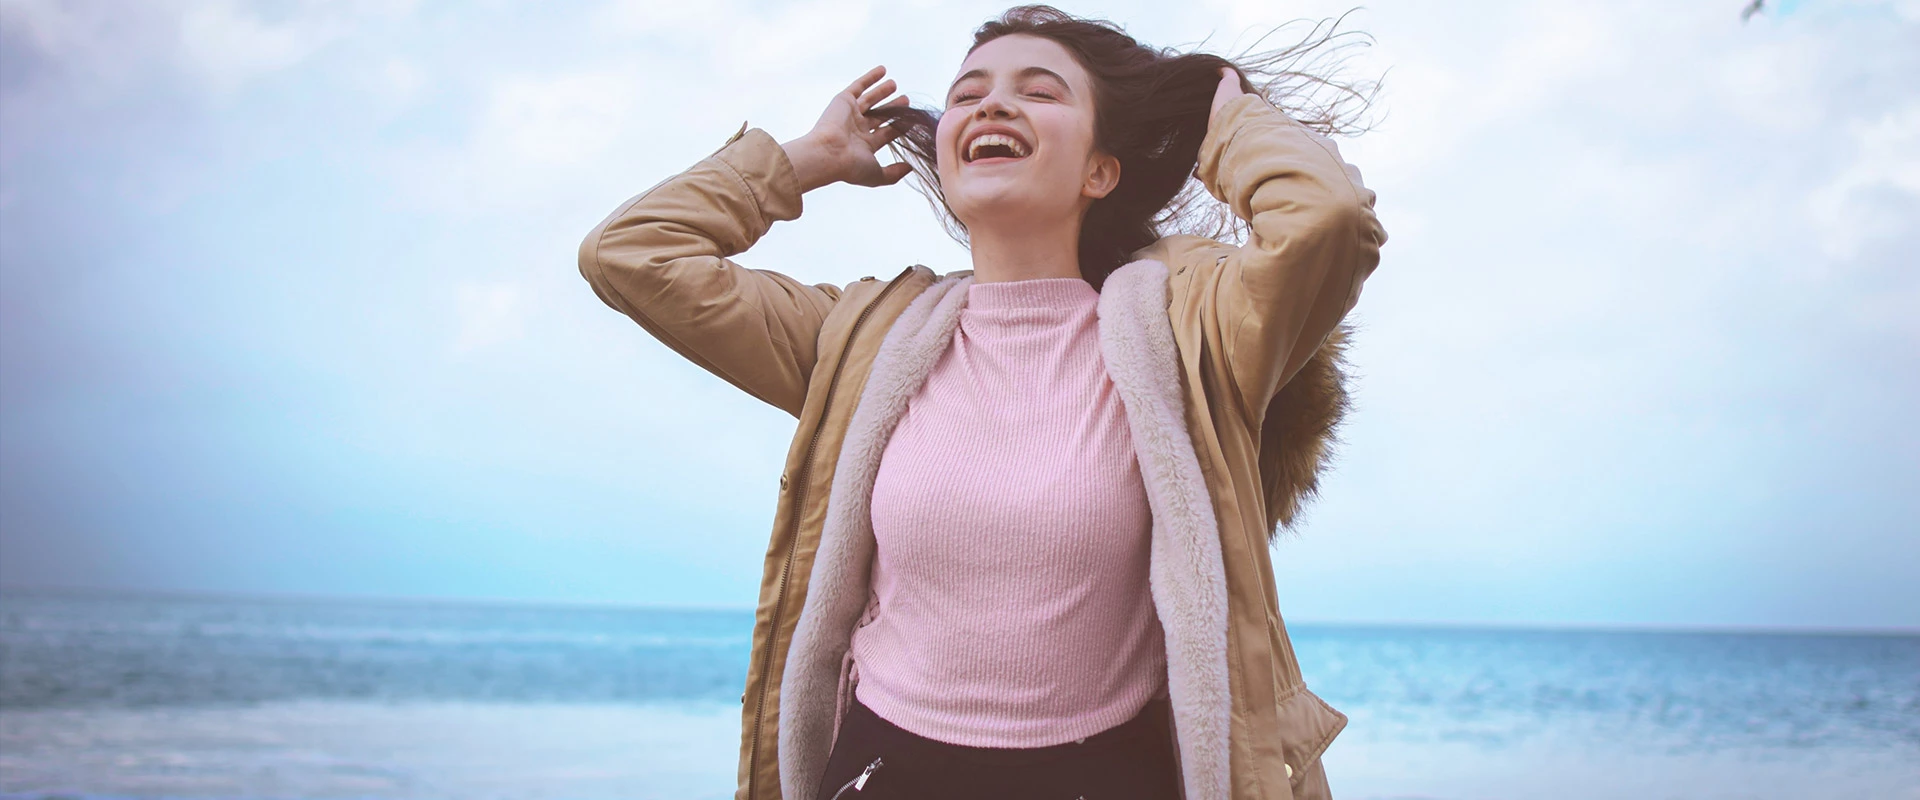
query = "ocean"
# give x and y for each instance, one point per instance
(179, 697)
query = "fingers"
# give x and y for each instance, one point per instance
(1229, 88)
(892, 130)
(894, 103)
(861, 83)
(867, 100)
(879, 137)
(884, 176)
(870, 124)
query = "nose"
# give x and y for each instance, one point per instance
(993, 106)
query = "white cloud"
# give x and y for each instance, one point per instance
(754, 40)
(94, 47)
(535, 139)
(50, 26)
(560, 121)
(1877, 194)
(224, 44)
(229, 44)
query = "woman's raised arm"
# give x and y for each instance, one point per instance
(663, 257)
(1314, 239)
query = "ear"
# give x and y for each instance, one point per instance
(1103, 177)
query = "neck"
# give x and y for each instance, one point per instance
(1018, 252)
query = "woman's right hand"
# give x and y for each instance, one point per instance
(842, 144)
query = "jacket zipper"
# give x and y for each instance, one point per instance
(793, 534)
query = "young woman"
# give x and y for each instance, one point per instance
(1022, 545)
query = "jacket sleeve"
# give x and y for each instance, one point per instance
(662, 259)
(1314, 239)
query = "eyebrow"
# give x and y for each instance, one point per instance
(1024, 72)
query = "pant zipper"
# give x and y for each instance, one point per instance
(859, 782)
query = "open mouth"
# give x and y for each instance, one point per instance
(996, 148)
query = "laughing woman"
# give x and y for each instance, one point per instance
(1022, 542)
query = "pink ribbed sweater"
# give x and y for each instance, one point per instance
(1010, 603)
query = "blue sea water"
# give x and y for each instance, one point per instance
(78, 651)
(115, 696)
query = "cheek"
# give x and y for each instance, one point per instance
(943, 139)
(1064, 136)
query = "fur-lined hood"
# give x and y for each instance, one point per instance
(1301, 430)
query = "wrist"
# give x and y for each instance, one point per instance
(810, 163)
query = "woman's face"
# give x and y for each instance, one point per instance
(1031, 90)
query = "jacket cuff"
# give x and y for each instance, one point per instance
(762, 165)
(1220, 134)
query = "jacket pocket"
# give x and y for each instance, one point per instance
(1307, 726)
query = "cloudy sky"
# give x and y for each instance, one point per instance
(288, 300)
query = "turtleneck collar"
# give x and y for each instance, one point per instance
(1033, 294)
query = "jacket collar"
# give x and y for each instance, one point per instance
(1187, 576)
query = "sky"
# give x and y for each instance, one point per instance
(289, 301)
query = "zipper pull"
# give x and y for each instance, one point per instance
(861, 782)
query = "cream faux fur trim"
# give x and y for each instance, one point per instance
(837, 589)
(1187, 573)
(1187, 576)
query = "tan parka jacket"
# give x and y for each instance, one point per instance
(1227, 360)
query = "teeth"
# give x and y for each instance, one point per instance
(973, 147)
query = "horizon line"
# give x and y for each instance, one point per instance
(1571, 626)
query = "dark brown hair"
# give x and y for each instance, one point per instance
(1151, 109)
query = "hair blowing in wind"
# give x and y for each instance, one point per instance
(1151, 111)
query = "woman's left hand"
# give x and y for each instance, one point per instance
(1228, 89)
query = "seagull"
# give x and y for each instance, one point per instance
(1752, 8)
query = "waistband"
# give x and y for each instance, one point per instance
(1141, 731)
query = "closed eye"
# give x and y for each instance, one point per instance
(965, 97)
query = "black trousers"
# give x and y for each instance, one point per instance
(1130, 761)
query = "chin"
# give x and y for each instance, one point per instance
(990, 211)
(996, 198)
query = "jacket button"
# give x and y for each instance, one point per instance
(730, 140)
(783, 483)
(1289, 766)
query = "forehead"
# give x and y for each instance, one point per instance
(1007, 55)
